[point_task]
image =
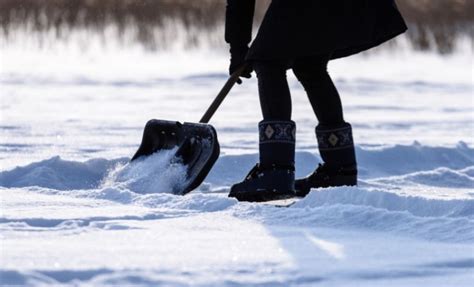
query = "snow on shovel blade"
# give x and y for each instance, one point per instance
(198, 147)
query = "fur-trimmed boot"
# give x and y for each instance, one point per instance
(336, 148)
(274, 177)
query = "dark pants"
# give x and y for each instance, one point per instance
(275, 97)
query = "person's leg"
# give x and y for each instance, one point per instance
(322, 93)
(334, 135)
(273, 89)
(275, 102)
(273, 177)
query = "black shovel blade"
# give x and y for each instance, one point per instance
(198, 148)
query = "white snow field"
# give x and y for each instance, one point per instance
(75, 212)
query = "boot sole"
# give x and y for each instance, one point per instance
(340, 181)
(262, 195)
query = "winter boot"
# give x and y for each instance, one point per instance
(336, 148)
(274, 177)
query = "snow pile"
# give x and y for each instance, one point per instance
(449, 220)
(416, 163)
(442, 177)
(391, 201)
(56, 173)
(157, 173)
(403, 159)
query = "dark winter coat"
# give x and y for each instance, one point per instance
(298, 28)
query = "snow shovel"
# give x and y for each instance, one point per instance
(196, 144)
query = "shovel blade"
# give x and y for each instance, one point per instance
(197, 148)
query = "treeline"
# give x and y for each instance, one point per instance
(437, 23)
(434, 24)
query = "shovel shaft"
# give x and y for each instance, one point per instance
(222, 94)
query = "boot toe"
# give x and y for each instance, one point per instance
(241, 192)
(234, 190)
(265, 185)
(302, 187)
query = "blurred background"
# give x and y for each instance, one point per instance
(167, 24)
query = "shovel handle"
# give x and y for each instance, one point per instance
(222, 94)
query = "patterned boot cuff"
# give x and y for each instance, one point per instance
(331, 138)
(277, 132)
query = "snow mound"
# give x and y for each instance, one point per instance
(445, 177)
(440, 177)
(56, 173)
(391, 201)
(383, 211)
(403, 159)
(157, 173)
(153, 174)
(437, 166)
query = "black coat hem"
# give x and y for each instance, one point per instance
(346, 52)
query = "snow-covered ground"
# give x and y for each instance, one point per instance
(75, 212)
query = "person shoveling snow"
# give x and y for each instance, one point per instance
(299, 35)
